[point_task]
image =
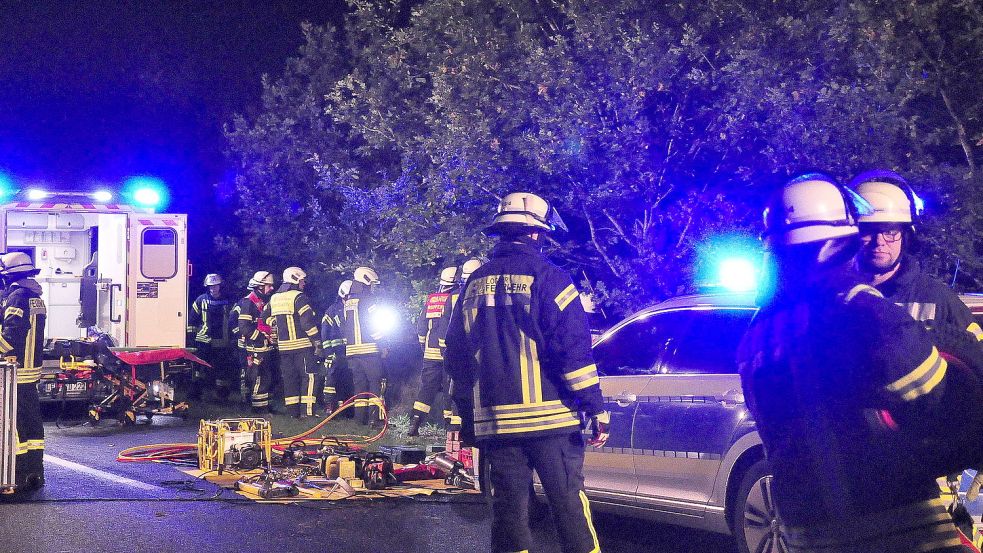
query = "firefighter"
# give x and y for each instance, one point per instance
(211, 322)
(887, 236)
(518, 350)
(294, 324)
(362, 348)
(21, 342)
(255, 343)
(844, 387)
(451, 417)
(332, 338)
(431, 332)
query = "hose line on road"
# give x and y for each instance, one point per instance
(186, 454)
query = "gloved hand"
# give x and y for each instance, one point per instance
(974, 489)
(599, 425)
(318, 351)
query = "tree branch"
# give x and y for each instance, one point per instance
(597, 245)
(960, 130)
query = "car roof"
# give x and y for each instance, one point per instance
(731, 300)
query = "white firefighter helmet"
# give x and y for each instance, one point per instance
(448, 276)
(345, 288)
(469, 267)
(293, 275)
(213, 279)
(524, 209)
(16, 263)
(366, 275)
(261, 278)
(812, 208)
(890, 195)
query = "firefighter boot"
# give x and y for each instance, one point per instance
(415, 425)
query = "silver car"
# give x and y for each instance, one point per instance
(683, 448)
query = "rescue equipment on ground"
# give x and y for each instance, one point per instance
(234, 444)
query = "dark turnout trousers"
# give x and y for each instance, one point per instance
(259, 379)
(558, 459)
(30, 437)
(433, 379)
(299, 372)
(366, 377)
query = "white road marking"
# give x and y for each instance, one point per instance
(99, 473)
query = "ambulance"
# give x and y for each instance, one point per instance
(120, 269)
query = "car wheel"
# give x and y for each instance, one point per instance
(754, 518)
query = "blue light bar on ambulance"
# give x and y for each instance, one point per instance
(102, 196)
(36, 194)
(146, 192)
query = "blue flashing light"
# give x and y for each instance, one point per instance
(36, 194)
(146, 192)
(7, 188)
(737, 274)
(102, 196)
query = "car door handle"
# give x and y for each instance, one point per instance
(731, 397)
(624, 399)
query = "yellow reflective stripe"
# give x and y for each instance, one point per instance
(515, 407)
(441, 342)
(585, 383)
(311, 331)
(564, 298)
(361, 349)
(304, 309)
(975, 330)
(922, 380)
(13, 311)
(524, 368)
(491, 428)
(299, 343)
(421, 407)
(583, 371)
(590, 522)
(454, 419)
(518, 415)
(328, 389)
(34, 445)
(423, 339)
(861, 288)
(5, 345)
(29, 343)
(292, 400)
(246, 317)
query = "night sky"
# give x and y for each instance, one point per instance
(93, 92)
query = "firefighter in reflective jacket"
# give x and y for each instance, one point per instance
(254, 341)
(294, 325)
(431, 332)
(844, 387)
(451, 415)
(212, 323)
(518, 350)
(332, 337)
(362, 348)
(21, 342)
(887, 236)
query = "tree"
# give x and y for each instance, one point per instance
(654, 129)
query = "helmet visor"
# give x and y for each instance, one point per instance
(857, 204)
(554, 220)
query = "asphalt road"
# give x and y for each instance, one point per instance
(92, 503)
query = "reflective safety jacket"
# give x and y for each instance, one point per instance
(211, 321)
(431, 326)
(845, 388)
(357, 325)
(22, 330)
(928, 300)
(518, 348)
(291, 319)
(254, 333)
(332, 329)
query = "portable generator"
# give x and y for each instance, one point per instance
(234, 444)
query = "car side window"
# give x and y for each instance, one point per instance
(633, 349)
(708, 343)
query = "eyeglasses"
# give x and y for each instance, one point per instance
(889, 236)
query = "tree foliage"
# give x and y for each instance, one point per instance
(654, 128)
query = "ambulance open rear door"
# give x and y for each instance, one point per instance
(157, 280)
(111, 266)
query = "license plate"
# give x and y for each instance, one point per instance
(71, 388)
